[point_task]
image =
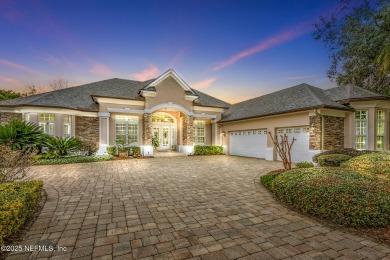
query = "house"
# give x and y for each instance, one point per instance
(180, 117)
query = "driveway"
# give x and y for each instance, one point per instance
(177, 208)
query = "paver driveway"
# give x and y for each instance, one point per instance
(178, 208)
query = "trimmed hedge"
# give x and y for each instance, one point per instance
(371, 164)
(346, 151)
(304, 165)
(111, 150)
(136, 151)
(335, 194)
(208, 150)
(332, 160)
(18, 201)
(74, 159)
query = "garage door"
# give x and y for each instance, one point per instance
(251, 143)
(300, 148)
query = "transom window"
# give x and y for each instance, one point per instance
(199, 132)
(162, 118)
(126, 130)
(361, 129)
(26, 117)
(67, 126)
(380, 129)
(46, 122)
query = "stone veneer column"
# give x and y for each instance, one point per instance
(188, 130)
(6, 117)
(315, 132)
(147, 129)
(333, 132)
(87, 129)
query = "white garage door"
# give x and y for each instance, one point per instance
(300, 148)
(251, 143)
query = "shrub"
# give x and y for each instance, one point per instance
(336, 194)
(208, 150)
(376, 163)
(268, 179)
(88, 147)
(59, 147)
(74, 159)
(21, 135)
(332, 160)
(136, 151)
(304, 164)
(14, 164)
(18, 201)
(111, 150)
(347, 151)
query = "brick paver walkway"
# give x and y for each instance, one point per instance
(178, 208)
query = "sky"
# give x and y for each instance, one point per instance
(233, 50)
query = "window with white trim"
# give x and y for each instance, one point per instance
(361, 117)
(46, 122)
(126, 129)
(26, 117)
(199, 132)
(380, 130)
(67, 131)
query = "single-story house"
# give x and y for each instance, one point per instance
(168, 109)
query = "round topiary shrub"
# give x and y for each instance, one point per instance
(336, 194)
(346, 151)
(332, 160)
(375, 163)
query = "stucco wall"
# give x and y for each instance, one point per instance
(6, 117)
(168, 91)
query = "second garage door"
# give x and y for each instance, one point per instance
(300, 148)
(251, 143)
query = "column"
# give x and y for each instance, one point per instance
(147, 134)
(104, 132)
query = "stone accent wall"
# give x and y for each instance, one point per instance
(6, 117)
(188, 130)
(147, 134)
(334, 132)
(87, 128)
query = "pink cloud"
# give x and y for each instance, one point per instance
(14, 65)
(204, 83)
(264, 45)
(100, 70)
(149, 73)
(12, 81)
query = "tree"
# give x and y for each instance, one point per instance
(31, 89)
(59, 83)
(9, 94)
(358, 39)
(283, 147)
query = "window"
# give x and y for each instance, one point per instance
(200, 132)
(67, 126)
(46, 122)
(297, 130)
(380, 129)
(361, 129)
(126, 130)
(26, 117)
(280, 131)
(305, 129)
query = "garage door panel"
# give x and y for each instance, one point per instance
(251, 143)
(300, 148)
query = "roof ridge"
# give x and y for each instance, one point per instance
(309, 87)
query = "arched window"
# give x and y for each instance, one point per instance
(162, 118)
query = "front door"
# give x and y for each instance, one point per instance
(165, 136)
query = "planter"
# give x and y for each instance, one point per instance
(123, 154)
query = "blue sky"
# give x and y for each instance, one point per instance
(233, 50)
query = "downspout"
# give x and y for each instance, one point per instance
(322, 129)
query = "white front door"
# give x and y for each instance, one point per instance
(165, 135)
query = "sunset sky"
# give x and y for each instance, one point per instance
(233, 50)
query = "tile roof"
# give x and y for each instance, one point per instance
(341, 93)
(295, 98)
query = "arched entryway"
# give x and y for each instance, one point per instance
(164, 130)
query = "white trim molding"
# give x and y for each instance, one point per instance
(147, 150)
(119, 101)
(49, 110)
(175, 76)
(160, 106)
